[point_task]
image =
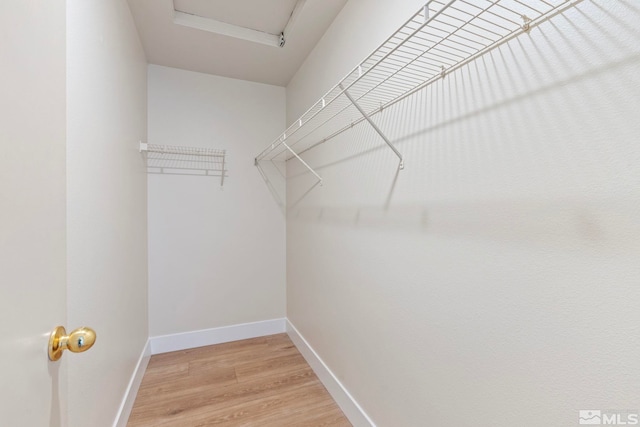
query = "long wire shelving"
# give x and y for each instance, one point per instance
(175, 160)
(438, 39)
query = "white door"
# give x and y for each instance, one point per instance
(32, 210)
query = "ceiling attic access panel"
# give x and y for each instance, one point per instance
(252, 20)
(192, 43)
(267, 16)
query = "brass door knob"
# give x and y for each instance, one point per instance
(79, 340)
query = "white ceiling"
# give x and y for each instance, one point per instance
(189, 34)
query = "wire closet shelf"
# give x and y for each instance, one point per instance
(441, 37)
(175, 160)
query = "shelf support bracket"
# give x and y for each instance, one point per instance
(303, 162)
(373, 125)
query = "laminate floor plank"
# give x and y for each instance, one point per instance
(257, 382)
(192, 403)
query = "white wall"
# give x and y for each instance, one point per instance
(495, 281)
(106, 204)
(216, 255)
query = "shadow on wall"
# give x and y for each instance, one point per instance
(561, 223)
(273, 173)
(537, 137)
(55, 415)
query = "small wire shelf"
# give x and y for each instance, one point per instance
(441, 37)
(175, 160)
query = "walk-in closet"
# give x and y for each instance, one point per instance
(298, 213)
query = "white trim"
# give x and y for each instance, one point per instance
(297, 11)
(225, 29)
(183, 341)
(187, 340)
(352, 410)
(132, 389)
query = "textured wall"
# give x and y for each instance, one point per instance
(494, 281)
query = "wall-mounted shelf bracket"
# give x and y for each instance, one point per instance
(303, 162)
(373, 125)
(306, 165)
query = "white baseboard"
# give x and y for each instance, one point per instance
(352, 410)
(187, 340)
(132, 389)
